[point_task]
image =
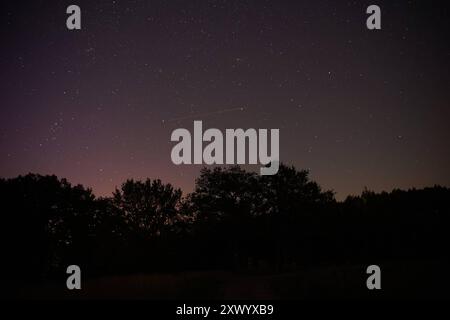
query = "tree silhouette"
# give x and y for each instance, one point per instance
(224, 203)
(148, 206)
(46, 223)
(248, 212)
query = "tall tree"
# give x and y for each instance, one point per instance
(147, 206)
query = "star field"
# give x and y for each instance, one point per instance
(356, 107)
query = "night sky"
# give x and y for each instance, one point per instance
(97, 106)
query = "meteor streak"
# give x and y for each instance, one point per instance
(205, 114)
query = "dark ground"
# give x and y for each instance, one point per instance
(405, 280)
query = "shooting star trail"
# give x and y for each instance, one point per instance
(206, 114)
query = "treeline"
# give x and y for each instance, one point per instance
(233, 220)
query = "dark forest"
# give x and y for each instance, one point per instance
(276, 230)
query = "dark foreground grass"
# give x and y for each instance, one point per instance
(400, 280)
